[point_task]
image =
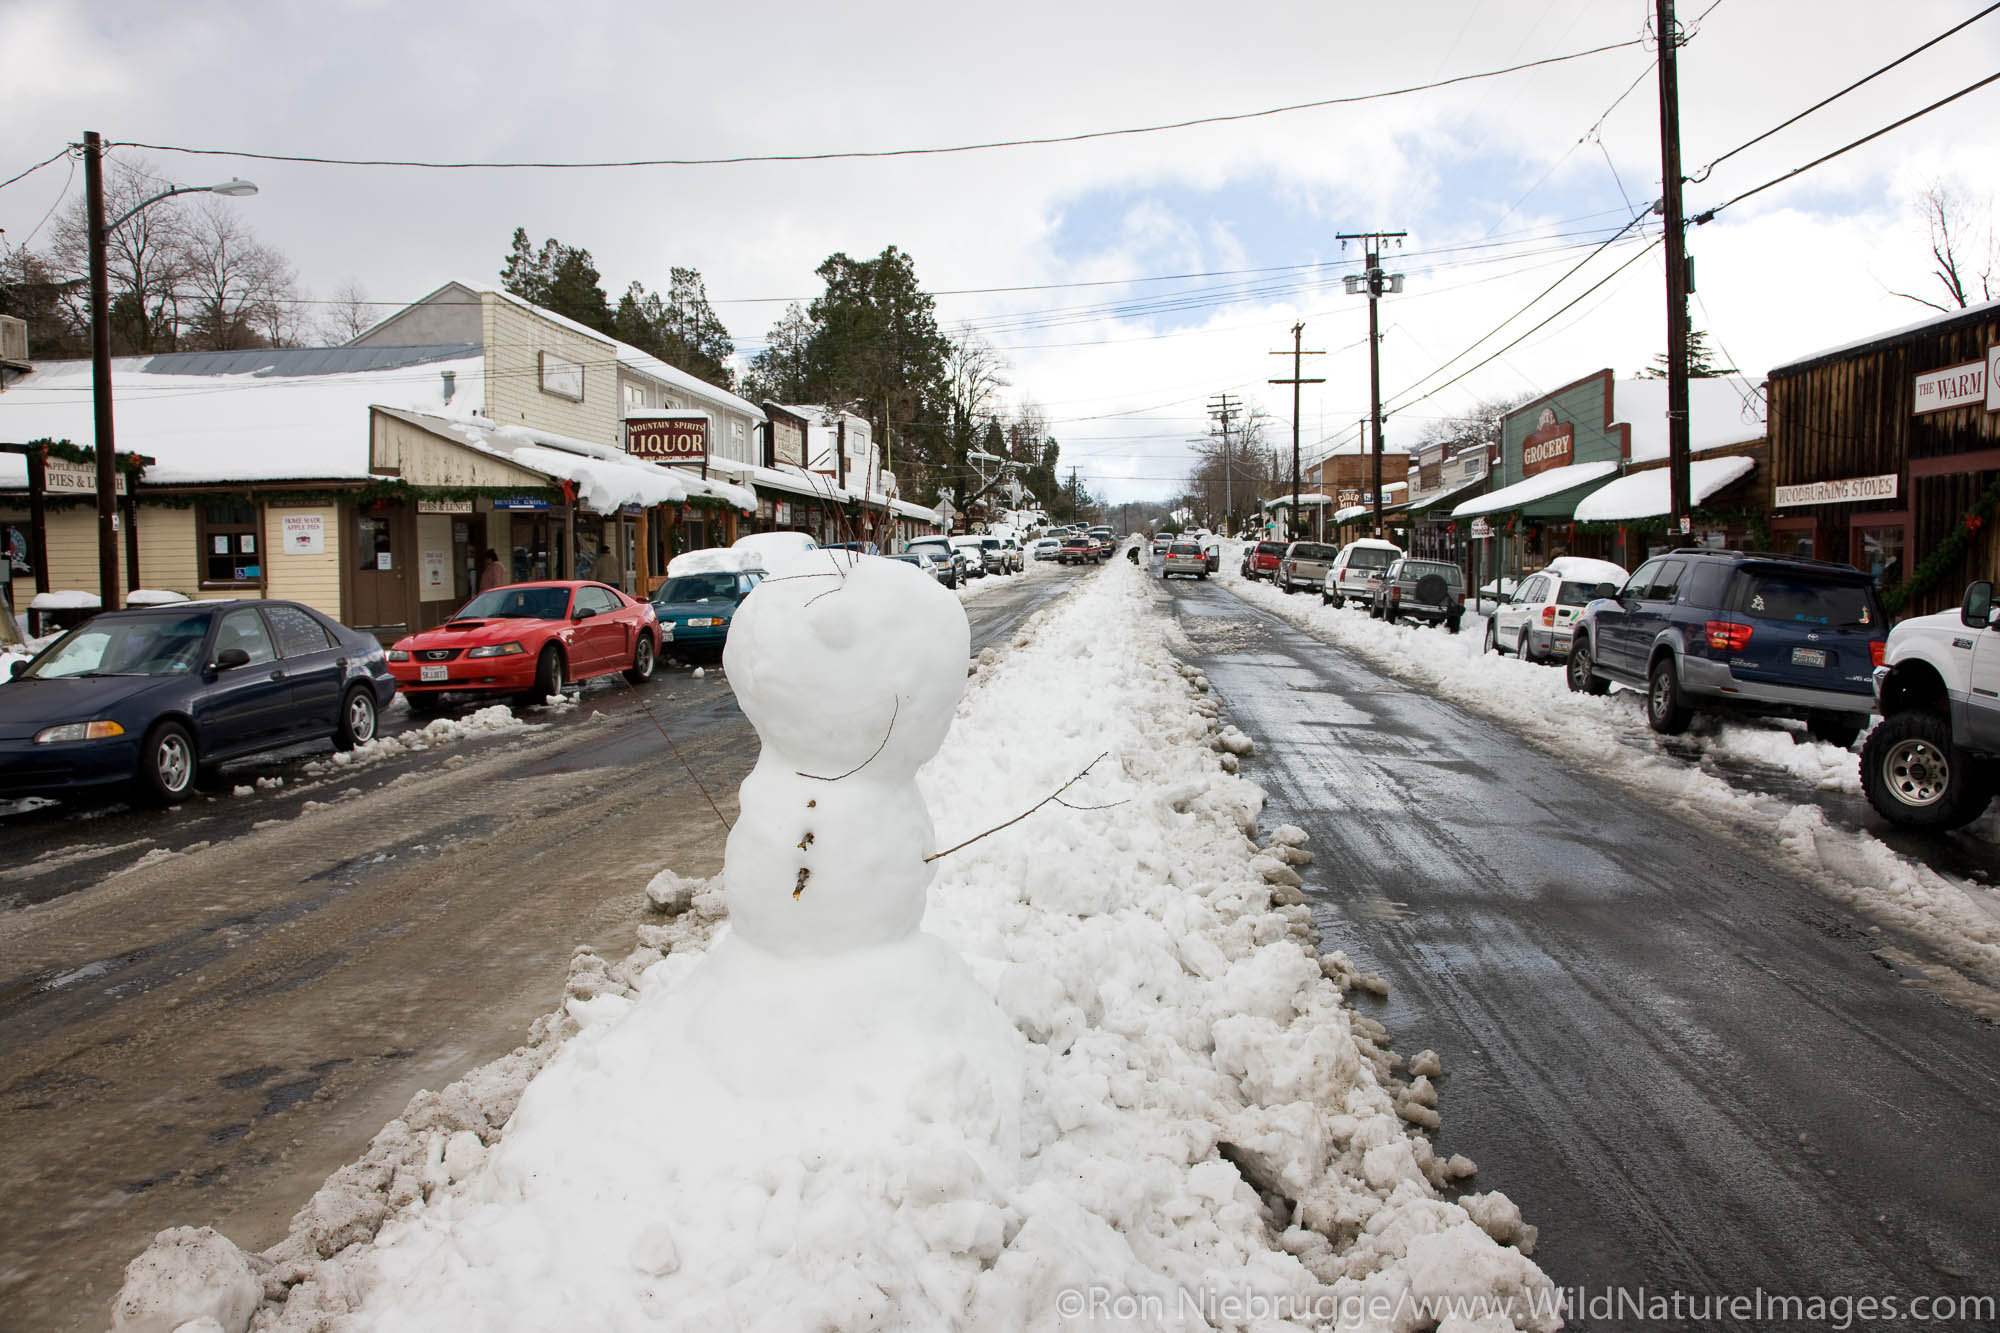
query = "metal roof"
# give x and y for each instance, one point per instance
(304, 360)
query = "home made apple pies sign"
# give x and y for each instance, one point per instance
(667, 439)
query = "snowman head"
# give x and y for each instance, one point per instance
(848, 662)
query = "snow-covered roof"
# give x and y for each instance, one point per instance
(629, 356)
(1985, 308)
(1538, 487)
(1305, 498)
(1648, 495)
(606, 479)
(1722, 410)
(243, 427)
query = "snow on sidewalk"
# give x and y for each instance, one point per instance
(1205, 1134)
(1607, 734)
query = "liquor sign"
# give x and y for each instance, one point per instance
(444, 506)
(1954, 386)
(1848, 490)
(668, 439)
(1552, 444)
(73, 479)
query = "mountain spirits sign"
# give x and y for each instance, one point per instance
(668, 437)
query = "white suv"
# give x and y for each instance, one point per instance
(1536, 620)
(1357, 570)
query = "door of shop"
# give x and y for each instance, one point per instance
(381, 597)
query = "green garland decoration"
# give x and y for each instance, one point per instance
(87, 457)
(1945, 555)
(1754, 519)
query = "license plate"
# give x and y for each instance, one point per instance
(1812, 657)
(437, 672)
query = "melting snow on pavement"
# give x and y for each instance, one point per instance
(1107, 1083)
(1961, 920)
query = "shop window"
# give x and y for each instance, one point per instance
(1794, 537)
(1878, 549)
(230, 554)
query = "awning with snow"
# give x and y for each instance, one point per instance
(1307, 499)
(1649, 494)
(1543, 486)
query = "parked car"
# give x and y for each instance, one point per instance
(859, 548)
(1357, 571)
(1080, 551)
(1047, 548)
(1769, 635)
(1261, 561)
(695, 610)
(1535, 623)
(1930, 762)
(942, 547)
(937, 566)
(155, 697)
(973, 548)
(1183, 558)
(531, 640)
(1162, 543)
(1304, 565)
(1417, 589)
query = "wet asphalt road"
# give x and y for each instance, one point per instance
(202, 1038)
(1690, 1070)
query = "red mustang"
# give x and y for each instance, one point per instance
(528, 639)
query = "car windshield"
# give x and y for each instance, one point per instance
(698, 588)
(1417, 569)
(1270, 548)
(1804, 600)
(517, 604)
(151, 646)
(1370, 557)
(1576, 594)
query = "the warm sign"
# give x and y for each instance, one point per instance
(1848, 490)
(1954, 386)
(73, 479)
(788, 441)
(667, 439)
(1551, 445)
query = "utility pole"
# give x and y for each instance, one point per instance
(1297, 352)
(1679, 271)
(100, 372)
(1223, 409)
(1374, 282)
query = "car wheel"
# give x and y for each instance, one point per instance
(167, 764)
(1665, 713)
(1338, 601)
(550, 676)
(1523, 649)
(1834, 728)
(357, 719)
(1492, 643)
(641, 669)
(1203, 576)
(1581, 670)
(1915, 776)
(1389, 613)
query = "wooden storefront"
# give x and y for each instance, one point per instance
(1886, 455)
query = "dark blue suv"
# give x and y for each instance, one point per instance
(1748, 632)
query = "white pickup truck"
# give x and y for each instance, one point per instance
(1931, 762)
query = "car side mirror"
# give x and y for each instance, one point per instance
(1977, 608)
(230, 658)
(16, 667)
(583, 613)
(1605, 590)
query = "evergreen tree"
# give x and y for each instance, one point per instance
(1701, 361)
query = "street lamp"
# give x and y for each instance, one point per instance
(100, 347)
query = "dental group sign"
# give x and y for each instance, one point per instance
(1953, 386)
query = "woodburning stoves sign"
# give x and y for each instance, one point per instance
(668, 438)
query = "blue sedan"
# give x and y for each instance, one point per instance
(695, 609)
(153, 697)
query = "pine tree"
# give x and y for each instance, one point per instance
(1701, 361)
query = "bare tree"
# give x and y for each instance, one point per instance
(348, 315)
(243, 293)
(1963, 247)
(974, 376)
(146, 258)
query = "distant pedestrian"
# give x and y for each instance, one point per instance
(491, 574)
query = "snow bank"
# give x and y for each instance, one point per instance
(1156, 1093)
(488, 721)
(1609, 735)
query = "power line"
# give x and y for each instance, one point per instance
(1709, 215)
(851, 154)
(23, 175)
(1826, 101)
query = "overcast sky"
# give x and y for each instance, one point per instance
(1491, 178)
